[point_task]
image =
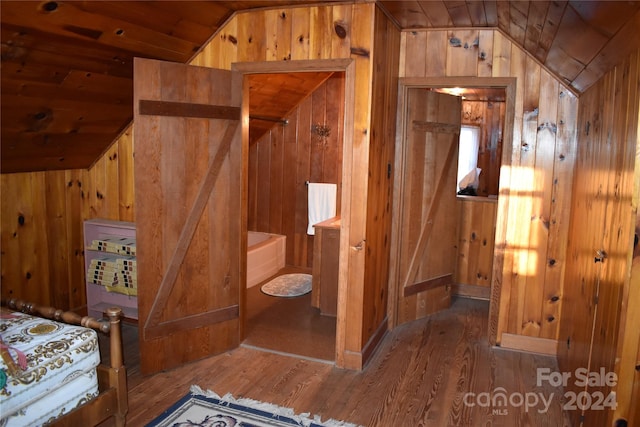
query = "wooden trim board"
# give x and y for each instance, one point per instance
(471, 291)
(529, 344)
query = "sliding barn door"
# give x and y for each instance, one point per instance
(189, 187)
(425, 209)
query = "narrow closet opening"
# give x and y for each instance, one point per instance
(477, 185)
(446, 193)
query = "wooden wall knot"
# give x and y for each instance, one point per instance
(531, 115)
(340, 29)
(456, 42)
(359, 246)
(41, 120)
(548, 125)
(545, 222)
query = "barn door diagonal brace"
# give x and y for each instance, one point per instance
(425, 234)
(153, 327)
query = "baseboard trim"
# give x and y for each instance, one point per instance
(357, 360)
(374, 342)
(527, 344)
(471, 291)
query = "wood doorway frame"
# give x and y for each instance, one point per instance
(347, 66)
(509, 84)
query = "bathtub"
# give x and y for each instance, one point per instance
(265, 256)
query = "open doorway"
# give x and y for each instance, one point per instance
(296, 122)
(429, 260)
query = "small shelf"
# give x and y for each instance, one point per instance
(99, 296)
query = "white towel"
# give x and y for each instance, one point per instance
(322, 204)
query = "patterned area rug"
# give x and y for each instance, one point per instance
(288, 285)
(206, 409)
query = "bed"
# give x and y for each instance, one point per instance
(51, 372)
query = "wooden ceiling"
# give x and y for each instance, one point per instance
(273, 96)
(66, 80)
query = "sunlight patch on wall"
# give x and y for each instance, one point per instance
(518, 231)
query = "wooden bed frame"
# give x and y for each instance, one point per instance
(112, 379)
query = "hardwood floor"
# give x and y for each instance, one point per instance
(289, 325)
(421, 375)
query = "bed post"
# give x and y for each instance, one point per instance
(117, 374)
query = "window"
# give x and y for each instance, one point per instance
(468, 171)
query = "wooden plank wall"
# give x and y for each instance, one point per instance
(605, 203)
(489, 116)
(42, 217)
(535, 189)
(286, 157)
(380, 182)
(476, 234)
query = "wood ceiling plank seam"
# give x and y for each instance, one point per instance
(535, 24)
(565, 82)
(518, 20)
(137, 13)
(584, 47)
(201, 12)
(189, 21)
(81, 64)
(622, 43)
(458, 12)
(64, 21)
(32, 73)
(504, 15)
(54, 91)
(477, 13)
(101, 82)
(564, 66)
(111, 60)
(550, 29)
(436, 13)
(606, 17)
(491, 12)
